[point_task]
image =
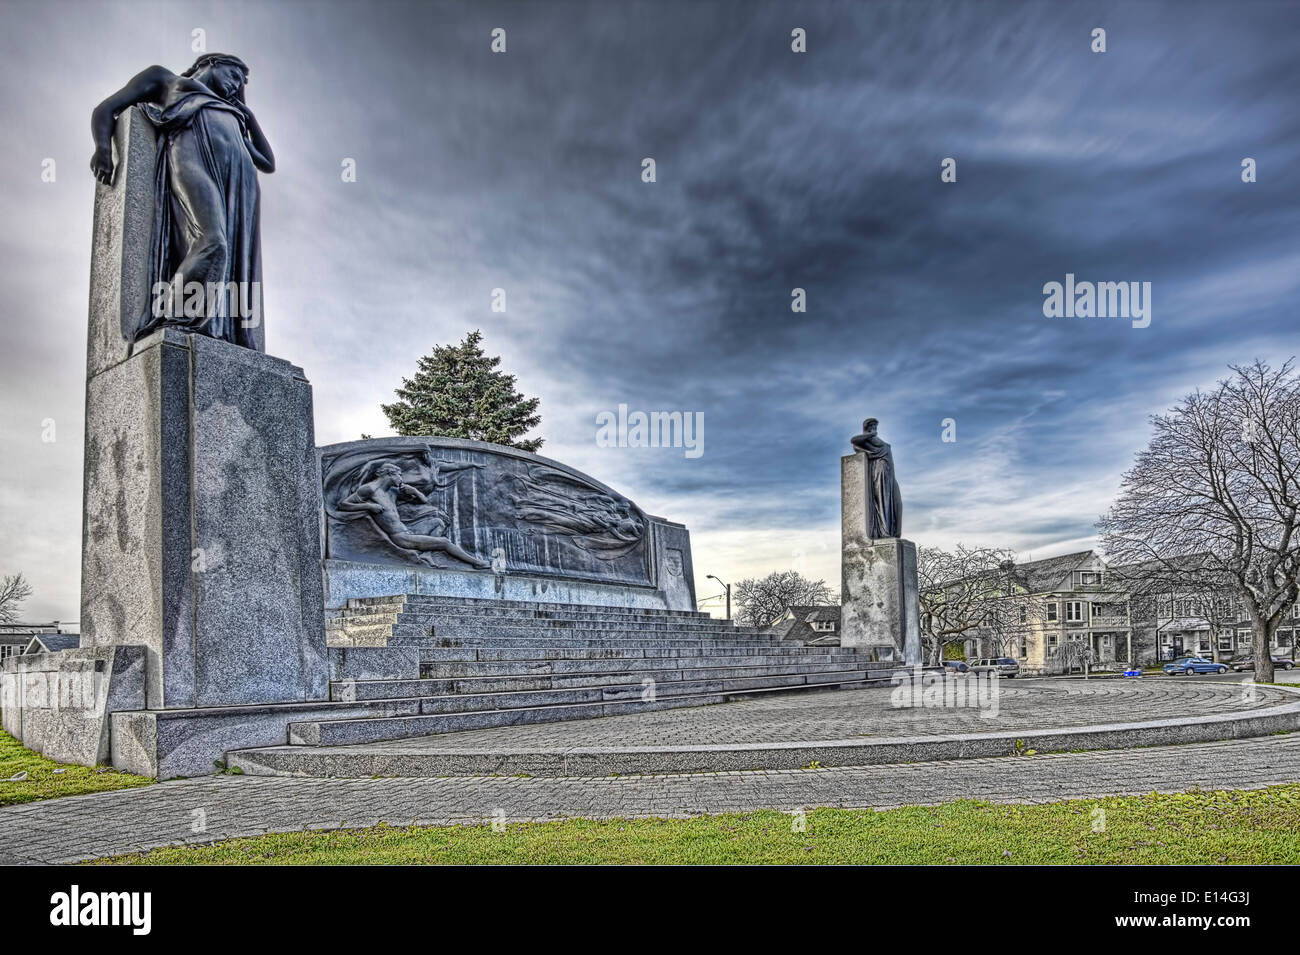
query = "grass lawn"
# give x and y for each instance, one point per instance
(47, 779)
(1258, 826)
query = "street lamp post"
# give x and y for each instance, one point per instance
(728, 587)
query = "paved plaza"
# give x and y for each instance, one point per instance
(1021, 705)
(224, 806)
(846, 728)
(220, 807)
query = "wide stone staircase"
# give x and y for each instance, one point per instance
(424, 665)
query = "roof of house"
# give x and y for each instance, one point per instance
(1039, 576)
(798, 626)
(53, 642)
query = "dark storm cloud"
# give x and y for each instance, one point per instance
(775, 171)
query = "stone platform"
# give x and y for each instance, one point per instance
(849, 728)
(411, 665)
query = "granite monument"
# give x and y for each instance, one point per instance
(880, 608)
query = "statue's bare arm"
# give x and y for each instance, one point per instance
(355, 502)
(414, 492)
(258, 146)
(148, 86)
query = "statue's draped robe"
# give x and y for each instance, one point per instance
(206, 208)
(885, 503)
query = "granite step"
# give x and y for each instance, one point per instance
(475, 628)
(488, 641)
(719, 645)
(477, 603)
(443, 663)
(401, 689)
(502, 668)
(584, 651)
(518, 613)
(348, 732)
(426, 618)
(652, 689)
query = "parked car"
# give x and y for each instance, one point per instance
(956, 666)
(1189, 665)
(1004, 666)
(1248, 663)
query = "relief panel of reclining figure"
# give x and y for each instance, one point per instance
(471, 506)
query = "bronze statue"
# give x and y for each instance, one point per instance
(884, 502)
(205, 235)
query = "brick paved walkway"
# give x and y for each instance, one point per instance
(217, 807)
(867, 714)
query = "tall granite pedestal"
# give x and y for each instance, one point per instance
(201, 540)
(879, 606)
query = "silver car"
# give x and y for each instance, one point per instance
(1003, 666)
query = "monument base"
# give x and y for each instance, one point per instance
(59, 704)
(202, 523)
(880, 608)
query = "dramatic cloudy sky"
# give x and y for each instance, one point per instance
(776, 170)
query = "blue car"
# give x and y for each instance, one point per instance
(1189, 665)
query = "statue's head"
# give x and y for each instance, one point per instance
(222, 73)
(380, 470)
(869, 426)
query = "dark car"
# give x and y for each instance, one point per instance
(955, 666)
(1189, 665)
(1248, 663)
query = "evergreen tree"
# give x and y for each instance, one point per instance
(457, 392)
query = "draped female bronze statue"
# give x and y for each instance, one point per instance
(205, 234)
(885, 503)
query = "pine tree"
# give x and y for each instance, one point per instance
(458, 393)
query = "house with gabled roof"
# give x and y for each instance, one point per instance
(809, 624)
(1066, 599)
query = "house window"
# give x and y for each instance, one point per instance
(1024, 648)
(1051, 640)
(1243, 639)
(1089, 578)
(1053, 611)
(1024, 615)
(1225, 641)
(1074, 611)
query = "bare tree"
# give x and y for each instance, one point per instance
(1220, 481)
(14, 590)
(760, 601)
(972, 593)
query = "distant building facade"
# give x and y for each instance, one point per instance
(16, 637)
(1062, 600)
(1176, 623)
(1079, 598)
